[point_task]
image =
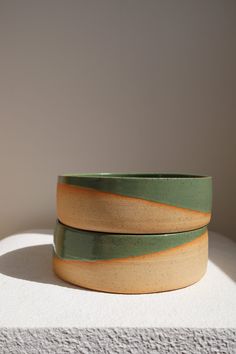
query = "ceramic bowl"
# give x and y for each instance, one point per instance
(134, 203)
(128, 263)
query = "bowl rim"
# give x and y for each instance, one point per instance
(136, 175)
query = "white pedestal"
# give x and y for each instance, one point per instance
(37, 308)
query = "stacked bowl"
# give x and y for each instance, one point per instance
(132, 233)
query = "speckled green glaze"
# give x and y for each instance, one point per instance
(70, 243)
(185, 191)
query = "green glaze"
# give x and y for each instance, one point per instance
(186, 191)
(70, 243)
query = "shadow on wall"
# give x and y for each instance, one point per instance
(34, 263)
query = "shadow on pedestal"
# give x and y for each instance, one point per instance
(32, 263)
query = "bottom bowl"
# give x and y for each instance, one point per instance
(130, 264)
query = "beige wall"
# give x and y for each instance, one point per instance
(114, 86)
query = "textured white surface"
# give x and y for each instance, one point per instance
(117, 340)
(31, 296)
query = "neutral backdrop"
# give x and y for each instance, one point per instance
(120, 85)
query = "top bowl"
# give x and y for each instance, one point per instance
(134, 203)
